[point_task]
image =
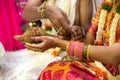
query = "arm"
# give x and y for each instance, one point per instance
(30, 10)
(57, 17)
(86, 11)
(85, 16)
(104, 54)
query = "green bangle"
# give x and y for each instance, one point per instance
(84, 52)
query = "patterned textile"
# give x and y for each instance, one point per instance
(106, 31)
(75, 70)
(72, 70)
(9, 25)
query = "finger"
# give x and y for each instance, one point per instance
(56, 27)
(78, 38)
(55, 23)
(38, 38)
(62, 31)
(31, 48)
(78, 33)
(74, 28)
(77, 29)
(65, 16)
(68, 28)
(59, 29)
(34, 47)
(31, 45)
(40, 45)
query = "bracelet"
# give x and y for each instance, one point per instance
(70, 48)
(42, 9)
(85, 52)
(78, 50)
(88, 51)
(67, 48)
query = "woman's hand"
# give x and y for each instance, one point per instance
(59, 20)
(46, 42)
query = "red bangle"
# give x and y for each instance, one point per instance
(70, 50)
(78, 50)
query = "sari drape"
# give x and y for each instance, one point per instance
(9, 25)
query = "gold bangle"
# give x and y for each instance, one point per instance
(59, 30)
(88, 51)
(77, 43)
(42, 9)
(67, 47)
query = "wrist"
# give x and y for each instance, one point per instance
(60, 43)
(42, 9)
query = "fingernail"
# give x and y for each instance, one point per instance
(31, 38)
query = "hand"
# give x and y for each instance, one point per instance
(46, 43)
(79, 33)
(59, 20)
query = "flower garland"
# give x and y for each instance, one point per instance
(105, 8)
(114, 26)
(102, 22)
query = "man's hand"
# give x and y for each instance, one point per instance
(79, 33)
(59, 20)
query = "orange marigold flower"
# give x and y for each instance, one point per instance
(48, 25)
(55, 53)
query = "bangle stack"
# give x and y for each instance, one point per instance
(70, 48)
(78, 50)
(42, 9)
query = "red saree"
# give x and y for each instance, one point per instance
(72, 70)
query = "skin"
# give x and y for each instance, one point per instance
(105, 54)
(58, 18)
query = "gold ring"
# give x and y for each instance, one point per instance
(59, 30)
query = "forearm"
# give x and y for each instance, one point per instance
(30, 10)
(86, 11)
(106, 54)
